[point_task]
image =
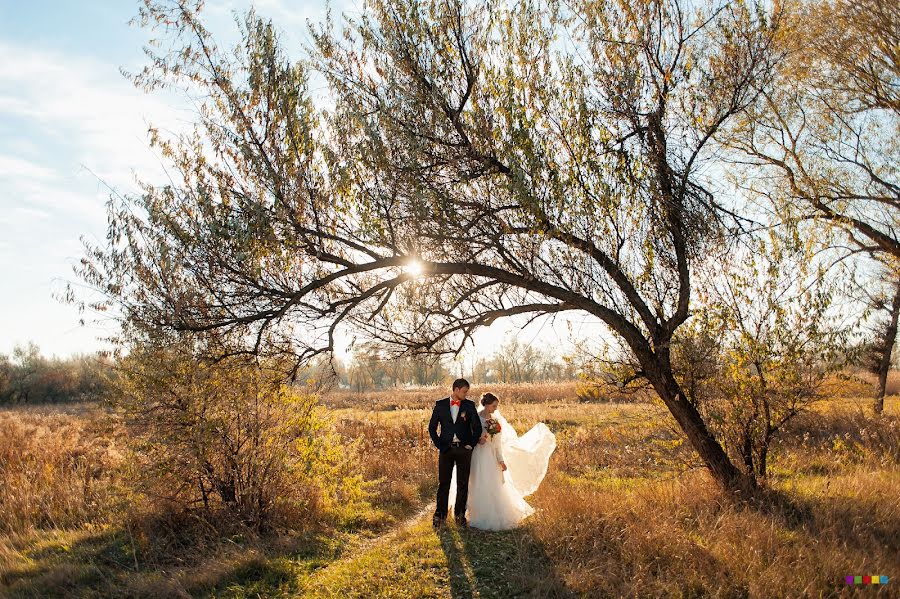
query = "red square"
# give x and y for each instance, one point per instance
(867, 580)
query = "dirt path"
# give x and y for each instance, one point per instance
(369, 545)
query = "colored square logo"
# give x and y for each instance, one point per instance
(849, 579)
(867, 580)
(884, 580)
(857, 580)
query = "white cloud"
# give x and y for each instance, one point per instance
(13, 166)
(85, 106)
(74, 119)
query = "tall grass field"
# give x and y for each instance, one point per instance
(625, 511)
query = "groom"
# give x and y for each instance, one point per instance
(460, 427)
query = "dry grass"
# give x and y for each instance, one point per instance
(628, 512)
(72, 526)
(624, 512)
(397, 458)
(622, 515)
(424, 397)
(837, 436)
(58, 469)
(830, 511)
(698, 543)
(860, 384)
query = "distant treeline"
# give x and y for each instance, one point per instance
(26, 376)
(372, 368)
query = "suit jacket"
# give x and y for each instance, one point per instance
(467, 427)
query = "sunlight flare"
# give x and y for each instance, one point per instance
(414, 268)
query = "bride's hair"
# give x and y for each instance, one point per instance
(488, 398)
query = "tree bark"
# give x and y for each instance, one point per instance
(763, 466)
(709, 449)
(729, 477)
(747, 448)
(887, 347)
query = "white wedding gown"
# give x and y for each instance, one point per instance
(496, 497)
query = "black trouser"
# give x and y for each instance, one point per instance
(460, 457)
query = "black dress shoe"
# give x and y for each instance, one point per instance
(462, 523)
(438, 522)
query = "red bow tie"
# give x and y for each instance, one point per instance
(454, 402)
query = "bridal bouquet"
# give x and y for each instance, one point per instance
(492, 427)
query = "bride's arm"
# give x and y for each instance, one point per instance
(497, 444)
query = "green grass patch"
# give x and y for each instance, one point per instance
(452, 562)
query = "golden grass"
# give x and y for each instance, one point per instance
(623, 512)
(682, 538)
(860, 384)
(57, 469)
(634, 531)
(424, 397)
(397, 457)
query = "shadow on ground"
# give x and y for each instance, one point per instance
(106, 565)
(499, 564)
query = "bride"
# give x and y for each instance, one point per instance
(505, 468)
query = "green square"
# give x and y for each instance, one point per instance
(857, 580)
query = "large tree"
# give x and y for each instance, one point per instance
(823, 142)
(880, 293)
(468, 161)
(762, 345)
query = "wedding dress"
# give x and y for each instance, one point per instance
(496, 497)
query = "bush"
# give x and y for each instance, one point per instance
(30, 378)
(760, 351)
(232, 435)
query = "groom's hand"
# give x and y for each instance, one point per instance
(468, 447)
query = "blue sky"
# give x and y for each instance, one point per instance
(70, 124)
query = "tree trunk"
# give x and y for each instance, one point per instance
(709, 449)
(747, 449)
(203, 493)
(887, 347)
(691, 422)
(764, 459)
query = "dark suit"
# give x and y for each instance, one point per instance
(467, 429)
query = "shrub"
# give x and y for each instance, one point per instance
(233, 435)
(760, 350)
(27, 377)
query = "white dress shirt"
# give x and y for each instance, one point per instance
(454, 412)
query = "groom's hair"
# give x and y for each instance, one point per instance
(460, 383)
